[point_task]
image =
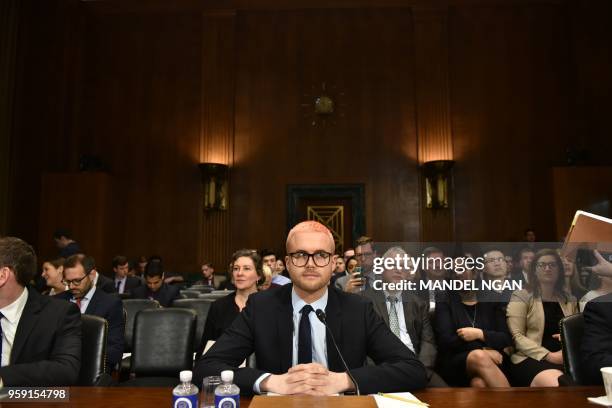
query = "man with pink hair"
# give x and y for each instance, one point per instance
(294, 348)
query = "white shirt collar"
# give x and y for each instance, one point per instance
(89, 294)
(12, 312)
(298, 303)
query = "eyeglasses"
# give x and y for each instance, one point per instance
(320, 258)
(498, 259)
(76, 282)
(544, 265)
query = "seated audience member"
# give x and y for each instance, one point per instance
(472, 335)
(292, 347)
(155, 288)
(267, 278)
(603, 285)
(64, 242)
(90, 300)
(496, 271)
(100, 281)
(533, 319)
(432, 271)
(227, 284)
(123, 282)
(573, 285)
(269, 259)
(339, 270)
(529, 235)
(341, 281)
(364, 254)
(208, 275)
(52, 272)
(141, 265)
(247, 273)
(521, 273)
(280, 268)
(596, 346)
(407, 316)
(41, 335)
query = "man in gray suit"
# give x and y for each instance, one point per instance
(407, 316)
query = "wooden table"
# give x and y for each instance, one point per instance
(436, 397)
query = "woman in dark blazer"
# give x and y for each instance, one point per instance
(246, 275)
(471, 336)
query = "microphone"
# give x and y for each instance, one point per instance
(323, 319)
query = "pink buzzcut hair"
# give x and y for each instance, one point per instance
(309, 226)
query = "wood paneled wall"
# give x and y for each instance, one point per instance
(153, 88)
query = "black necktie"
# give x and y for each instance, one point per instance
(118, 286)
(305, 337)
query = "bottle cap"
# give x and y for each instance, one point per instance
(227, 376)
(185, 376)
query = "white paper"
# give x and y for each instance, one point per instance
(385, 402)
(603, 400)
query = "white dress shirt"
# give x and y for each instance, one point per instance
(121, 288)
(10, 321)
(85, 299)
(318, 333)
(399, 308)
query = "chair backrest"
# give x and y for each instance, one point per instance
(212, 296)
(163, 342)
(190, 294)
(572, 329)
(93, 355)
(201, 307)
(132, 307)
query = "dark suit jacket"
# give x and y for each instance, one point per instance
(47, 347)
(451, 315)
(265, 327)
(596, 346)
(106, 284)
(131, 283)
(221, 315)
(165, 295)
(109, 307)
(416, 316)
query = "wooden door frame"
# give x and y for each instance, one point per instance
(354, 192)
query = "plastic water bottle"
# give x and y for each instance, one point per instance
(185, 395)
(227, 395)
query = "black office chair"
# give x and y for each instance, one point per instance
(201, 307)
(132, 307)
(572, 329)
(162, 347)
(93, 371)
(190, 294)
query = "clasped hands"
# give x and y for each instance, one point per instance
(308, 379)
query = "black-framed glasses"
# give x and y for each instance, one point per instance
(498, 259)
(544, 265)
(320, 258)
(76, 282)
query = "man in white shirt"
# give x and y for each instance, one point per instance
(41, 335)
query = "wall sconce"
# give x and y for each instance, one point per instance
(215, 179)
(437, 175)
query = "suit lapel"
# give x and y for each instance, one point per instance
(380, 306)
(92, 306)
(285, 329)
(334, 322)
(29, 319)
